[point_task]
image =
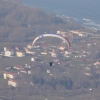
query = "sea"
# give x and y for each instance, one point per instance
(84, 11)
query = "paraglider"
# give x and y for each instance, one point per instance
(65, 40)
(52, 35)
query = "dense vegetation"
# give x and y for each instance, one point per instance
(19, 22)
(53, 82)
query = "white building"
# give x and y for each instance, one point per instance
(62, 47)
(61, 32)
(29, 51)
(68, 52)
(97, 63)
(87, 74)
(13, 83)
(34, 59)
(23, 71)
(9, 53)
(20, 54)
(48, 71)
(30, 71)
(80, 33)
(9, 75)
(18, 67)
(29, 46)
(53, 54)
(44, 53)
(5, 48)
(27, 66)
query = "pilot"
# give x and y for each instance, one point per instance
(50, 63)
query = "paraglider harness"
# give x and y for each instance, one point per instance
(50, 63)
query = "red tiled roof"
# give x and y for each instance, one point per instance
(19, 66)
(13, 81)
(11, 73)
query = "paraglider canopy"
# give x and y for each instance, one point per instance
(65, 40)
(53, 35)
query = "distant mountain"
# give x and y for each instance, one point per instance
(74, 8)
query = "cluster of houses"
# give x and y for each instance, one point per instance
(9, 52)
(38, 50)
(30, 49)
(74, 34)
(15, 72)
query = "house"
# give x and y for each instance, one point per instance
(9, 53)
(18, 67)
(17, 48)
(20, 54)
(61, 32)
(44, 53)
(53, 54)
(79, 32)
(87, 74)
(97, 63)
(68, 52)
(30, 71)
(13, 83)
(23, 71)
(89, 44)
(48, 71)
(34, 59)
(10, 75)
(62, 47)
(87, 68)
(7, 48)
(29, 51)
(86, 52)
(29, 46)
(27, 66)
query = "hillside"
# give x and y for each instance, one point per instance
(18, 22)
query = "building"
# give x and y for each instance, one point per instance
(44, 53)
(29, 46)
(5, 48)
(34, 59)
(28, 66)
(61, 32)
(18, 48)
(13, 83)
(53, 54)
(62, 47)
(9, 75)
(9, 53)
(20, 54)
(78, 32)
(18, 67)
(29, 51)
(30, 71)
(97, 63)
(48, 71)
(68, 52)
(23, 71)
